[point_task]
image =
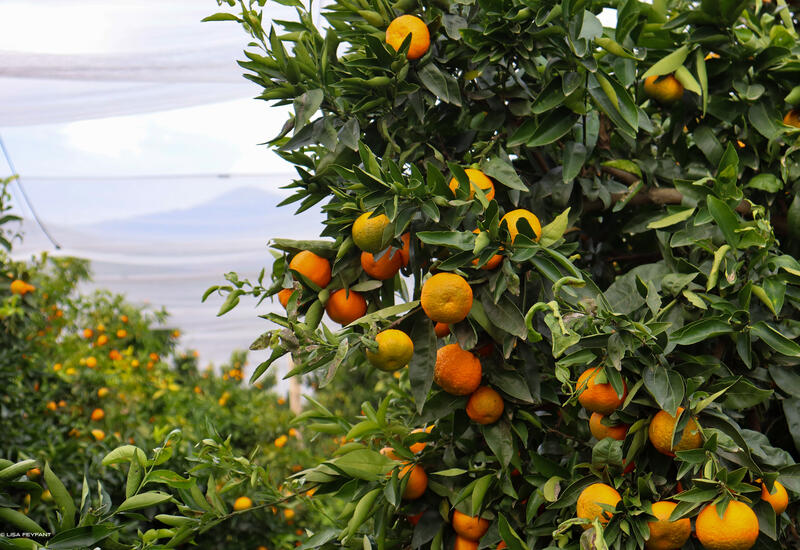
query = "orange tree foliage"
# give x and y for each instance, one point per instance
(665, 261)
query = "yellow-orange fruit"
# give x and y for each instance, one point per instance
(596, 397)
(441, 329)
(665, 89)
(404, 25)
(737, 529)
(457, 371)
(345, 307)
(385, 267)
(601, 431)
(469, 527)
(778, 498)
(662, 427)
(589, 501)
(476, 179)
(417, 481)
(446, 298)
(665, 534)
(314, 268)
(512, 219)
(485, 405)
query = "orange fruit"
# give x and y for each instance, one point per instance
(388, 452)
(314, 268)
(485, 405)
(596, 397)
(288, 513)
(114, 355)
(601, 431)
(465, 544)
(662, 427)
(792, 118)
(385, 267)
(493, 262)
(20, 287)
(98, 414)
(372, 234)
(502, 544)
(513, 217)
(413, 520)
(417, 481)
(51, 405)
(404, 25)
(102, 392)
(33, 473)
(420, 445)
(99, 435)
(345, 307)
(469, 527)
(446, 298)
(476, 179)
(88, 333)
(91, 362)
(665, 89)
(405, 252)
(395, 349)
(457, 371)
(284, 295)
(124, 318)
(665, 534)
(592, 497)
(737, 529)
(102, 340)
(122, 333)
(441, 329)
(778, 498)
(242, 503)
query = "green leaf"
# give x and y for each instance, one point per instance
(671, 219)
(774, 339)
(143, 500)
(460, 240)
(442, 84)
(504, 315)
(704, 329)
(768, 125)
(61, 497)
(726, 219)
(765, 182)
(686, 78)
(503, 172)
(363, 510)
(482, 485)
(573, 158)
(364, 464)
(510, 537)
(552, 127)
(498, 437)
(553, 231)
(16, 470)
(420, 368)
(80, 537)
(666, 387)
(668, 64)
(305, 106)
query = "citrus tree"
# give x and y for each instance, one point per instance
(577, 235)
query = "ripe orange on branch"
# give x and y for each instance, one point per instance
(417, 481)
(476, 179)
(313, 267)
(665, 89)
(344, 306)
(665, 534)
(404, 25)
(457, 371)
(737, 529)
(385, 267)
(662, 427)
(395, 350)
(469, 527)
(446, 298)
(371, 233)
(792, 118)
(778, 498)
(512, 220)
(592, 497)
(284, 296)
(601, 431)
(600, 398)
(485, 405)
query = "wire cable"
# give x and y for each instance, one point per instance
(25, 195)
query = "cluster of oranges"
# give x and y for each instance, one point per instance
(736, 529)
(20, 287)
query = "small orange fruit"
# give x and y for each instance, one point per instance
(405, 252)
(99, 435)
(485, 405)
(665, 89)
(737, 529)
(469, 527)
(512, 220)
(124, 318)
(420, 445)
(493, 262)
(33, 473)
(372, 233)
(284, 295)
(778, 498)
(20, 287)
(662, 427)
(457, 371)
(114, 355)
(446, 298)
(665, 534)
(281, 440)
(344, 306)
(598, 397)
(417, 481)
(385, 267)
(601, 431)
(441, 329)
(102, 340)
(476, 179)
(388, 452)
(288, 513)
(792, 118)
(314, 268)
(91, 362)
(98, 414)
(395, 350)
(102, 392)
(404, 25)
(592, 497)
(465, 544)
(242, 503)
(88, 333)
(122, 333)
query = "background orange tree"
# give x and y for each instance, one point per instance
(666, 261)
